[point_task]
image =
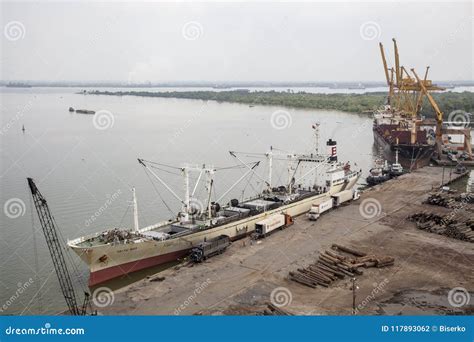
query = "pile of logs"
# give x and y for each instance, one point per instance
(460, 229)
(332, 266)
(449, 201)
(273, 310)
(441, 200)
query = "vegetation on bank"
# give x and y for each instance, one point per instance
(355, 103)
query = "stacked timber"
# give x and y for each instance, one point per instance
(448, 225)
(332, 266)
(441, 200)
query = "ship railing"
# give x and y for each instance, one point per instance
(79, 240)
(82, 239)
(156, 225)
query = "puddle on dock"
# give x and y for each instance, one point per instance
(419, 302)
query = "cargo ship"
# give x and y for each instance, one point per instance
(398, 126)
(116, 252)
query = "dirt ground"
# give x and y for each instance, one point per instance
(240, 281)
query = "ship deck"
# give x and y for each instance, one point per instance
(174, 229)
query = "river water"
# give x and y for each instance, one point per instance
(86, 170)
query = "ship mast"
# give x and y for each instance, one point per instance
(270, 168)
(135, 211)
(316, 137)
(186, 206)
(210, 182)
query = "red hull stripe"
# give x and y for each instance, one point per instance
(129, 267)
(106, 274)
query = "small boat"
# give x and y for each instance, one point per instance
(383, 171)
(85, 111)
(376, 176)
(395, 169)
(71, 109)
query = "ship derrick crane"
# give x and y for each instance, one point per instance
(189, 201)
(405, 92)
(50, 231)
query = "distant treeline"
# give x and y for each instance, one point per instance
(355, 103)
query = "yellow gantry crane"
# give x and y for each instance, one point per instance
(406, 94)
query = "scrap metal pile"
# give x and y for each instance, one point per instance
(117, 235)
(461, 229)
(332, 266)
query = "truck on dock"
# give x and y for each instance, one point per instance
(320, 206)
(271, 223)
(209, 248)
(344, 196)
(324, 204)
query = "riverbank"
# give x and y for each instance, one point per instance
(241, 281)
(353, 103)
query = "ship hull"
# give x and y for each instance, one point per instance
(107, 262)
(109, 273)
(407, 152)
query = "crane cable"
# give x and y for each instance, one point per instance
(159, 195)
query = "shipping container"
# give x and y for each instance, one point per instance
(342, 197)
(271, 223)
(319, 207)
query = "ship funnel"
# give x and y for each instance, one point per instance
(332, 150)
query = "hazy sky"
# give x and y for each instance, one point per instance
(245, 41)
